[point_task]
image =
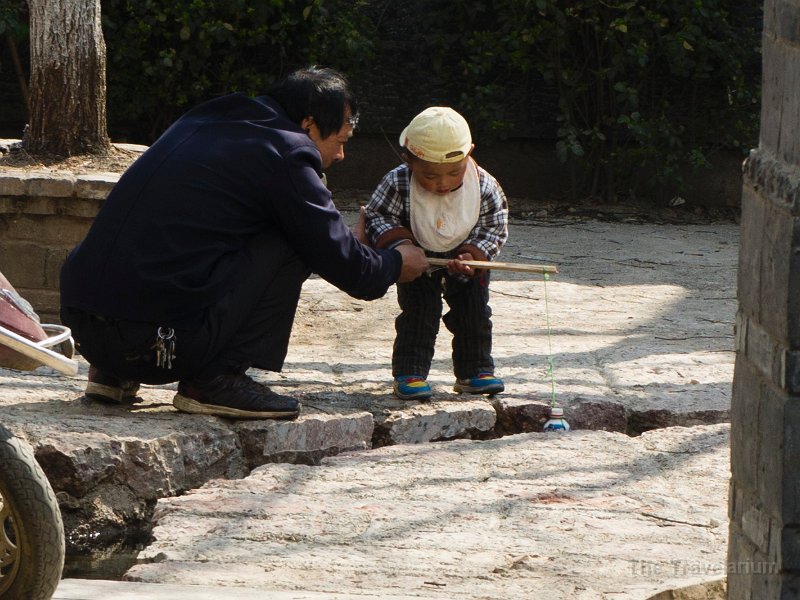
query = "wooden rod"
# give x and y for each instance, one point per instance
(500, 266)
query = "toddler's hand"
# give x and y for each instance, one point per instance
(456, 267)
(360, 228)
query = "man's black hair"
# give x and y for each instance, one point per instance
(317, 92)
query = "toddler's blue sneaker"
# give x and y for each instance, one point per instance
(412, 387)
(482, 383)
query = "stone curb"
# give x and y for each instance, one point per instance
(54, 183)
(110, 464)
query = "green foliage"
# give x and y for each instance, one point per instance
(13, 44)
(13, 19)
(166, 56)
(634, 93)
(644, 89)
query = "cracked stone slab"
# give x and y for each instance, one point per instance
(582, 515)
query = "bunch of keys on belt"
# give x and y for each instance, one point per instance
(165, 347)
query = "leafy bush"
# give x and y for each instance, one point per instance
(12, 18)
(634, 93)
(14, 28)
(166, 56)
(643, 89)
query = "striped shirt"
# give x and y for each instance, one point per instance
(390, 207)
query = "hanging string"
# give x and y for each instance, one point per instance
(550, 369)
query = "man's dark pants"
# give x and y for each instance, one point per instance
(249, 326)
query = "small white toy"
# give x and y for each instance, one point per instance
(556, 422)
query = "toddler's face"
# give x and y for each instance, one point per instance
(439, 178)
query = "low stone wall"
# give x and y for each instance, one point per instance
(42, 217)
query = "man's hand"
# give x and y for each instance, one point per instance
(414, 262)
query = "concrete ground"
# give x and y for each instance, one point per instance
(638, 327)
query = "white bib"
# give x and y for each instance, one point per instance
(440, 222)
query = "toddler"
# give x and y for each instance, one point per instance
(441, 200)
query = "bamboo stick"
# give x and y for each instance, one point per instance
(500, 266)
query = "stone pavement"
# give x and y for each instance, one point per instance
(580, 515)
(92, 589)
(639, 328)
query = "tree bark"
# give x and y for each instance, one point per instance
(68, 79)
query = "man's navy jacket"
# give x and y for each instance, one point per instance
(171, 238)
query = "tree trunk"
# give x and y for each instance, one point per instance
(68, 79)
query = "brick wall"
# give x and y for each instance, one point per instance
(43, 215)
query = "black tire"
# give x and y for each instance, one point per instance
(31, 530)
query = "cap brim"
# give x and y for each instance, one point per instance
(403, 137)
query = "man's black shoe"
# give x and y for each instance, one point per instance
(107, 388)
(236, 396)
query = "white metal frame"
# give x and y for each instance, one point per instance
(40, 351)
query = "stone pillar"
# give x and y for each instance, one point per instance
(764, 505)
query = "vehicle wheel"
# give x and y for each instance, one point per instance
(31, 531)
